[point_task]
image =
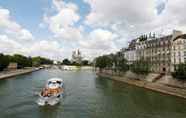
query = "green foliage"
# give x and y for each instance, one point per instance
(140, 67)
(75, 64)
(114, 61)
(85, 62)
(120, 62)
(4, 61)
(122, 65)
(66, 62)
(180, 72)
(21, 60)
(37, 61)
(103, 62)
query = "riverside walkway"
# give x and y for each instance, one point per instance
(8, 74)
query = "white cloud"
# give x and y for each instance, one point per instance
(111, 25)
(142, 15)
(62, 23)
(127, 19)
(10, 27)
(8, 45)
(16, 39)
(6, 21)
(50, 49)
(133, 12)
(99, 42)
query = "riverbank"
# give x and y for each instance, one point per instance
(8, 74)
(158, 87)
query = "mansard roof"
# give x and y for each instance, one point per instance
(183, 36)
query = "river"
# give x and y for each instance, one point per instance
(86, 96)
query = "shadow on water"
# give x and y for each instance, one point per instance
(131, 101)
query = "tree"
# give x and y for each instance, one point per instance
(122, 65)
(103, 62)
(37, 61)
(85, 62)
(21, 60)
(140, 67)
(180, 72)
(66, 62)
(119, 62)
(4, 61)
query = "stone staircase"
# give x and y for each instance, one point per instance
(158, 77)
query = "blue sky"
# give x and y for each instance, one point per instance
(54, 28)
(30, 14)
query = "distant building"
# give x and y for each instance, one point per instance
(12, 66)
(76, 57)
(55, 62)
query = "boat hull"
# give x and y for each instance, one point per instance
(53, 100)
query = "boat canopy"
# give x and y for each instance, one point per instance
(54, 83)
(55, 80)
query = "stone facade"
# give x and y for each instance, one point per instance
(162, 53)
(130, 52)
(178, 54)
(76, 57)
(12, 66)
(157, 52)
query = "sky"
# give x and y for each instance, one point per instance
(54, 28)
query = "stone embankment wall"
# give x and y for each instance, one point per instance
(166, 84)
(8, 74)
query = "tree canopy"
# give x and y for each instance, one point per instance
(66, 62)
(140, 67)
(103, 62)
(22, 61)
(180, 71)
(4, 61)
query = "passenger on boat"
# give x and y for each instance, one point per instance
(45, 92)
(48, 92)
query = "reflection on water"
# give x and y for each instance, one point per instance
(86, 96)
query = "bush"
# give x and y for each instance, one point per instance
(122, 65)
(180, 72)
(4, 61)
(140, 67)
(103, 62)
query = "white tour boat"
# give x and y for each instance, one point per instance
(51, 94)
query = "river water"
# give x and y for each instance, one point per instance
(86, 96)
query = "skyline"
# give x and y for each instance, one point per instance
(54, 28)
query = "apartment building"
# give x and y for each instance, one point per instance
(178, 52)
(130, 52)
(162, 53)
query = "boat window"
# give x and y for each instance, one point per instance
(58, 82)
(53, 82)
(49, 82)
